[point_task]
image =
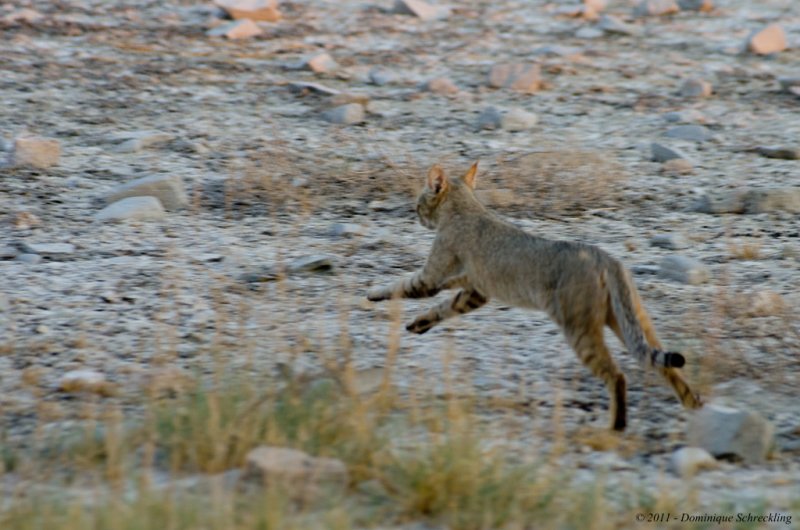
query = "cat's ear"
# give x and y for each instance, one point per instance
(437, 180)
(469, 178)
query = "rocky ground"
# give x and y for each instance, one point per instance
(274, 172)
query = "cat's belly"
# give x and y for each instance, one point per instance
(514, 295)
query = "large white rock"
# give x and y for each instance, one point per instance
(166, 188)
(300, 474)
(724, 431)
(132, 208)
(688, 461)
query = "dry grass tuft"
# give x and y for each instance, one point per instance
(455, 481)
(746, 250)
(605, 440)
(566, 181)
(274, 177)
(213, 430)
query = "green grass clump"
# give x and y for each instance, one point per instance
(454, 481)
(434, 461)
(213, 430)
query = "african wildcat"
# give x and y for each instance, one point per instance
(581, 287)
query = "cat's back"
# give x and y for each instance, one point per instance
(507, 263)
(491, 238)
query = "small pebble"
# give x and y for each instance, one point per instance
(656, 8)
(669, 241)
(422, 10)
(677, 167)
(29, 259)
(35, 151)
(781, 153)
(613, 25)
(696, 88)
(349, 114)
(322, 63)
(662, 153)
(441, 85)
(311, 264)
(693, 133)
(238, 29)
(771, 39)
(144, 208)
(684, 270)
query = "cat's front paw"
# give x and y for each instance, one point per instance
(420, 325)
(378, 293)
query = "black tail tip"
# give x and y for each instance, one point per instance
(673, 360)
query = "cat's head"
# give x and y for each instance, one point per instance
(440, 190)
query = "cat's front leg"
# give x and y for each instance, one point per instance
(464, 302)
(378, 293)
(414, 286)
(455, 282)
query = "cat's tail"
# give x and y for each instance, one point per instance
(631, 317)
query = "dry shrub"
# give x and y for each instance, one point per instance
(755, 304)
(747, 250)
(453, 480)
(276, 177)
(565, 181)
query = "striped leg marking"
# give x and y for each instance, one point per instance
(412, 287)
(592, 351)
(464, 302)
